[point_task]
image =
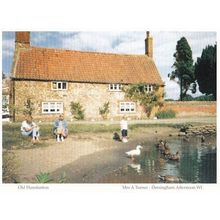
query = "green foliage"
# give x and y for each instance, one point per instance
(205, 71)
(77, 110)
(188, 98)
(183, 68)
(205, 98)
(138, 93)
(28, 107)
(104, 110)
(43, 178)
(199, 98)
(165, 114)
(5, 104)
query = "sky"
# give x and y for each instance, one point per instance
(120, 43)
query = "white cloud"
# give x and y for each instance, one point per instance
(8, 47)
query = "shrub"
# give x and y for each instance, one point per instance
(77, 110)
(43, 177)
(104, 110)
(28, 107)
(165, 114)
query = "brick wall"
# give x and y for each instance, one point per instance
(191, 108)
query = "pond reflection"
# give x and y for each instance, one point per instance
(197, 162)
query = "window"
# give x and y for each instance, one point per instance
(149, 88)
(115, 87)
(59, 85)
(52, 107)
(126, 107)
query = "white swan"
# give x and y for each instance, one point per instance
(135, 152)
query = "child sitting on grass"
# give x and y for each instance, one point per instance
(60, 128)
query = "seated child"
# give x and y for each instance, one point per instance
(29, 128)
(60, 128)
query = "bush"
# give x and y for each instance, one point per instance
(104, 110)
(199, 98)
(165, 114)
(77, 110)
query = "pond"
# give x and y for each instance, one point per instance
(197, 163)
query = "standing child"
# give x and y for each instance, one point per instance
(124, 129)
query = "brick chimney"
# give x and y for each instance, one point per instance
(149, 45)
(22, 39)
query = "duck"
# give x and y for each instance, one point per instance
(170, 179)
(134, 153)
(175, 157)
(166, 151)
(160, 146)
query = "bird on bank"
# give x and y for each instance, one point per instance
(134, 153)
(170, 179)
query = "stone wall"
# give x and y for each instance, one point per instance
(191, 108)
(91, 96)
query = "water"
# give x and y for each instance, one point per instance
(197, 163)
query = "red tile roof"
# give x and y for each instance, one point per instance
(58, 64)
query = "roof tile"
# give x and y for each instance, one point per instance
(57, 64)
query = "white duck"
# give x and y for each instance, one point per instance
(135, 152)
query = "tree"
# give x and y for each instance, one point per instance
(205, 71)
(183, 68)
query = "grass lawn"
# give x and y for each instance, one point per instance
(12, 136)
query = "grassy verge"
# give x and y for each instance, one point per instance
(12, 137)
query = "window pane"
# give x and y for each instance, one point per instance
(64, 85)
(59, 84)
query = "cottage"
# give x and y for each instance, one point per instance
(50, 79)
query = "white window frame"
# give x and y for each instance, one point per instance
(115, 87)
(52, 107)
(149, 88)
(129, 107)
(61, 83)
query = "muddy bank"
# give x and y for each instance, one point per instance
(96, 167)
(82, 157)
